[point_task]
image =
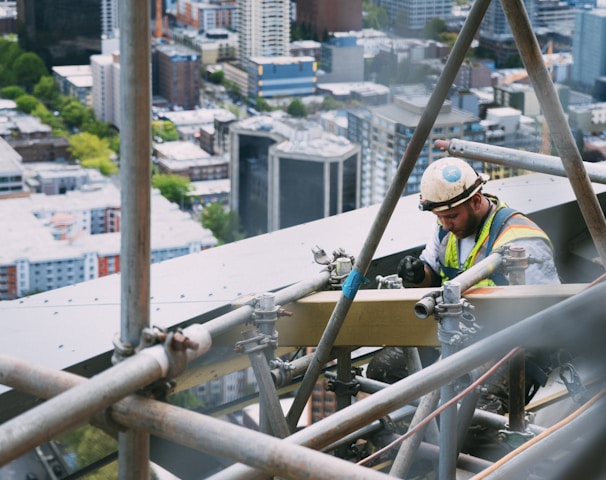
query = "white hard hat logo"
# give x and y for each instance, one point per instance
(452, 173)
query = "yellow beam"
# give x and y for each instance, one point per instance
(386, 317)
(377, 318)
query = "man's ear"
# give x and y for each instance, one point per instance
(476, 200)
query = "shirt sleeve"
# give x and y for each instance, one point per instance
(542, 269)
(431, 253)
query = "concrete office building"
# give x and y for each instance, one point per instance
(495, 34)
(417, 12)
(342, 60)
(263, 28)
(589, 47)
(285, 172)
(281, 76)
(385, 131)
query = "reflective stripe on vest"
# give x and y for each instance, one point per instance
(517, 227)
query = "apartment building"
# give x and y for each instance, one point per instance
(56, 241)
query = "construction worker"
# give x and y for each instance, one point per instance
(470, 225)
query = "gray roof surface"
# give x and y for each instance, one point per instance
(64, 327)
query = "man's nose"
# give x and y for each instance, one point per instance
(446, 225)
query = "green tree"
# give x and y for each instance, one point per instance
(173, 187)
(185, 399)
(297, 108)
(46, 91)
(374, 16)
(231, 88)
(12, 92)
(9, 51)
(29, 69)
(27, 103)
(330, 103)
(93, 152)
(165, 130)
(89, 445)
(261, 105)
(434, 28)
(74, 113)
(224, 224)
(85, 145)
(217, 77)
(48, 118)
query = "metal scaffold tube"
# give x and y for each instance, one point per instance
(191, 429)
(527, 45)
(135, 172)
(80, 403)
(543, 328)
(587, 422)
(133, 373)
(509, 157)
(362, 263)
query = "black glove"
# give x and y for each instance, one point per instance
(411, 269)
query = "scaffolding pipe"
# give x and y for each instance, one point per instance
(510, 157)
(135, 175)
(541, 328)
(529, 50)
(408, 448)
(270, 410)
(77, 405)
(190, 428)
(363, 260)
(587, 425)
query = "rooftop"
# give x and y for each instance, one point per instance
(23, 235)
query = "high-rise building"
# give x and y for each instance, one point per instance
(416, 13)
(287, 172)
(326, 16)
(495, 34)
(263, 28)
(106, 88)
(207, 15)
(176, 71)
(589, 47)
(65, 32)
(385, 132)
(342, 60)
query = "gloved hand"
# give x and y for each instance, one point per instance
(411, 269)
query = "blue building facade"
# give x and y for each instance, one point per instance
(281, 76)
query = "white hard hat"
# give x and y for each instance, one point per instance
(448, 182)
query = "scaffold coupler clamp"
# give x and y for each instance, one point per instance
(342, 388)
(514, 262)
(265, 315)
(456, 322)
(390, 282)
(339, 266)
(281, 371)
(175, 344)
